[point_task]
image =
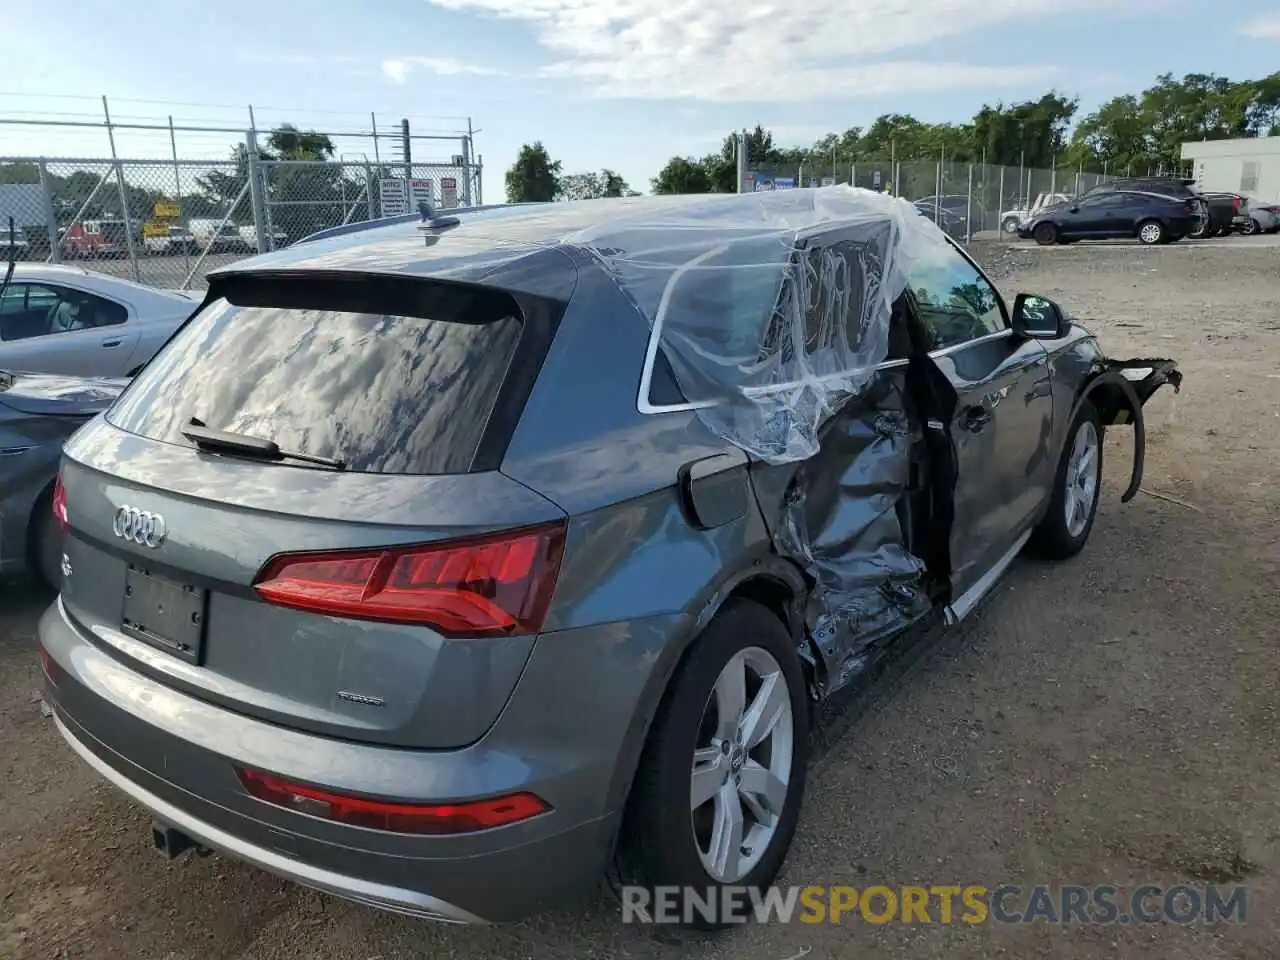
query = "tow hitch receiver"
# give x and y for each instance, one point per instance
(171, 843)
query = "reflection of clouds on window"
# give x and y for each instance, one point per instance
(386, 394)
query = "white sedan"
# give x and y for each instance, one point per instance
(67, 320)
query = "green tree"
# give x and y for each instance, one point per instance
(533, 178)
(683, 175)
(289, 143)
(614, 185)
(1032, 133)
(591, 186)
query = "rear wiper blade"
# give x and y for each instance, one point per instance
(222, 441)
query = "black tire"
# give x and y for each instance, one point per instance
(1053, 538)
(1251, 227)
(44, 543)
(1152, 232)
(1202, 229)
(657, 846)
(1010, 225)
(1045, 234)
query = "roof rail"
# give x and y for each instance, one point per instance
(348, 228)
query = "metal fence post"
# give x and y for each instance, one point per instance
(255, 192)
(937, 192)
(50, 218)
(124, 196)
(1000, 202)
(741, 143)
(368, 190)
(467, 147)
(479, 171)
(968, 214)
(177, 184)
(853, 174)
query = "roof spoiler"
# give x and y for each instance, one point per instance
(427, 218)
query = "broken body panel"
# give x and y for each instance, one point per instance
(882, 467)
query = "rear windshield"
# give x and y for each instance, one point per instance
(382, 392)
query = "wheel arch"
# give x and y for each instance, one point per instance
(1117, 403)
(773, 582)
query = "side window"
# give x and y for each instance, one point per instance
(41, 310)
(25, 311)
(1097, 200)
(955, 302)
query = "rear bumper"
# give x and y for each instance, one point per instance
(175, 755)
(393, 899)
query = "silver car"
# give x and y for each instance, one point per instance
(71, 321)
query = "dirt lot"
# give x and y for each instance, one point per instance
(1110, 720)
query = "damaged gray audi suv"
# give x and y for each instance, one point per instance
(449, 564)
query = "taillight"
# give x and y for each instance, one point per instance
(483, 587)
(434, 818)
(60, 504)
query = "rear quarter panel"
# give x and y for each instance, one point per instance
(637, 576)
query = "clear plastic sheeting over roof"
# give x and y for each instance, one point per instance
(772, 308)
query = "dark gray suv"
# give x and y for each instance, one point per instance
(448, 566)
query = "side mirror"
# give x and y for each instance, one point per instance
(1039, 318)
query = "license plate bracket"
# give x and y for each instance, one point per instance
(165, 614)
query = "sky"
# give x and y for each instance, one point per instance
(623, 84)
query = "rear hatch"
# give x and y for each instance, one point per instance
(294, 511)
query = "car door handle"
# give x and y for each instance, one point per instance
(113, 342)
(975, 419)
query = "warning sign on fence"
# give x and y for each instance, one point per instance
(423, 192)
(395, 197)
(448, 192)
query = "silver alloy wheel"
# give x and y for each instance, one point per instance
(741, 765)
(1081, 479)
(1151, 232)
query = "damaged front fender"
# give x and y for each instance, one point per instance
(1118, 390)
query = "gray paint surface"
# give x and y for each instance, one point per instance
(563, 714)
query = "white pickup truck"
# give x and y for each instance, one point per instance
(1012, 220)
(177, 241)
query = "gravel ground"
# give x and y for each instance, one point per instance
(1107, 720)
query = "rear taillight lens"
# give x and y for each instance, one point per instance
(485, 587)
(435, 818)
(60, 504)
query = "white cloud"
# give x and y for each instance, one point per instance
(399, 69)
(774, 50)
(1266, 27)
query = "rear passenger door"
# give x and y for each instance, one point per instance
(51, 328)
(1003, 417)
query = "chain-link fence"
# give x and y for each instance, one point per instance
(965, 199)
(166, 223)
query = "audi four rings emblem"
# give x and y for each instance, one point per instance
(142, 527)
